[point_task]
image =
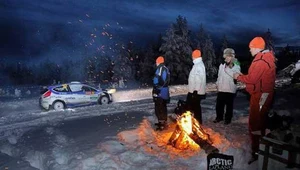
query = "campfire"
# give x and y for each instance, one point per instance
(188, 133)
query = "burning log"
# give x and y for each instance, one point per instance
(189, 132)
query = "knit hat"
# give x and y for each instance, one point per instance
(196, 54)
(257, 42)
(160, 60)
(228, 52)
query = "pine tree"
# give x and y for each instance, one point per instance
(269, 40)
(176, 49)
(46, 76)
(147, 66)
(104, 69)
(90, 70)
(68, 71)
(205, 44)
(225, 45)
(148, 62)
(77, 70)
(123, 66)
(138, 56)
(201, 37)
(209, 58)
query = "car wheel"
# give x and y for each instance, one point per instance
(103, 99)
(58, 105)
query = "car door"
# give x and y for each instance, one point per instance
(94, 96)
(90, 93)
(79, 95)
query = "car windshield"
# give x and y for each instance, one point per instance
(88, 89)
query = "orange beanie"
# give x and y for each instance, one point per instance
(160, 60)
(257, 42)
(196, 54)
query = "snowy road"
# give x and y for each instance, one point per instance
(35, 117)
(59, 146)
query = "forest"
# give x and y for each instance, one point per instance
(135, 64)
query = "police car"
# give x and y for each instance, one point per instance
(73, 94)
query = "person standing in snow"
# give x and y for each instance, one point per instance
(196, 85)
(226, 86)
(260, 83)
(160, 93)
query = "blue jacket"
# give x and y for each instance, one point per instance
(161, 82)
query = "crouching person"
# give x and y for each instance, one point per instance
(160, 93)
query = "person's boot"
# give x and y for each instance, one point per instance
(227, 122)
(161, 125)
(217, 120)
(253, 158)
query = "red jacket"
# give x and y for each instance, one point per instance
(261, 74)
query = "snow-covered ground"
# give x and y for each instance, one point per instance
(121, 135)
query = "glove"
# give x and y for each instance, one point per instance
(195, 93)
(155, 92)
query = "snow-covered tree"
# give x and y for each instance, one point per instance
(176, 48)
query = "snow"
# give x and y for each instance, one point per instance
(120, 135)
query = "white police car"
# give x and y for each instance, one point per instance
(73, 94)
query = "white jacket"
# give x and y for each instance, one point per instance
(225, 81)
(197, 77)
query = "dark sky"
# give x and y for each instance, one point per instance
(33, 30)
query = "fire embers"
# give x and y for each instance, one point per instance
(188, 133)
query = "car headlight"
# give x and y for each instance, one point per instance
(110, 91)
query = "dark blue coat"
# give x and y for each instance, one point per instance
(161, 82)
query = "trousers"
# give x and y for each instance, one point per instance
(193, 101)
(225, 99)
(160, 109)
(257, 118)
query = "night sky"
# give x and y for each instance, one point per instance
(32, 30)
